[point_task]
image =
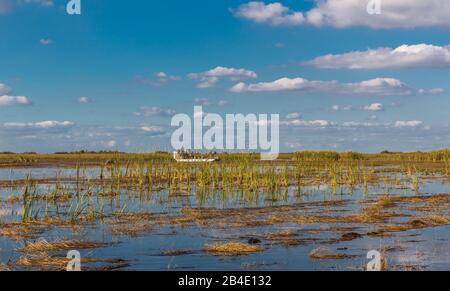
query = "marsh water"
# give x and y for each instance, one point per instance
(157, 244)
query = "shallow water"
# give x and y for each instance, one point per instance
(426, 248)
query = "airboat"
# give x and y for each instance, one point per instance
(187, 157)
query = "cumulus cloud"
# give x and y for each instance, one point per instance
(7, 100)
(405, 56)
(378, 87)
(395, 14)
(209, 78)
(374, 107)
(348, 13)
(154, 111)
(274, 14)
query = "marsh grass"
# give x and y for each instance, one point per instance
(131, 230)
(44, 246)
(116, 196)
(232, 249)
(42, 261)
(18, 231)
(4, 268)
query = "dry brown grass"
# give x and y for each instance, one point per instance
(434, 199)
(232, 249)
(4, 268)
(281, 234)
(415, 223)
(44, 246)
(18, 231)
(42, 261)
(369, 215)
(430, 221)
(386, 201)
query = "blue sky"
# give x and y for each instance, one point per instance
(91, 81)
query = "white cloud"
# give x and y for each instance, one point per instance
(352, 124)
(45, 41)
(210, 78)
(274, 14)
(405, 56)
(411, 123)
(208, 102)
(378, 86)
(4, 89)
(160, 79)
(364, 124)
(308, 123)
(110, 144)
(7, 100)
(39, 125)
(374, 107)
(348, 13)
(434, 91)
(153, 130)
(154, 111)
(342, 108)
(293, 115)
(395, 14)
(84, 100)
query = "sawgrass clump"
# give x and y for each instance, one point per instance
(233, 249)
